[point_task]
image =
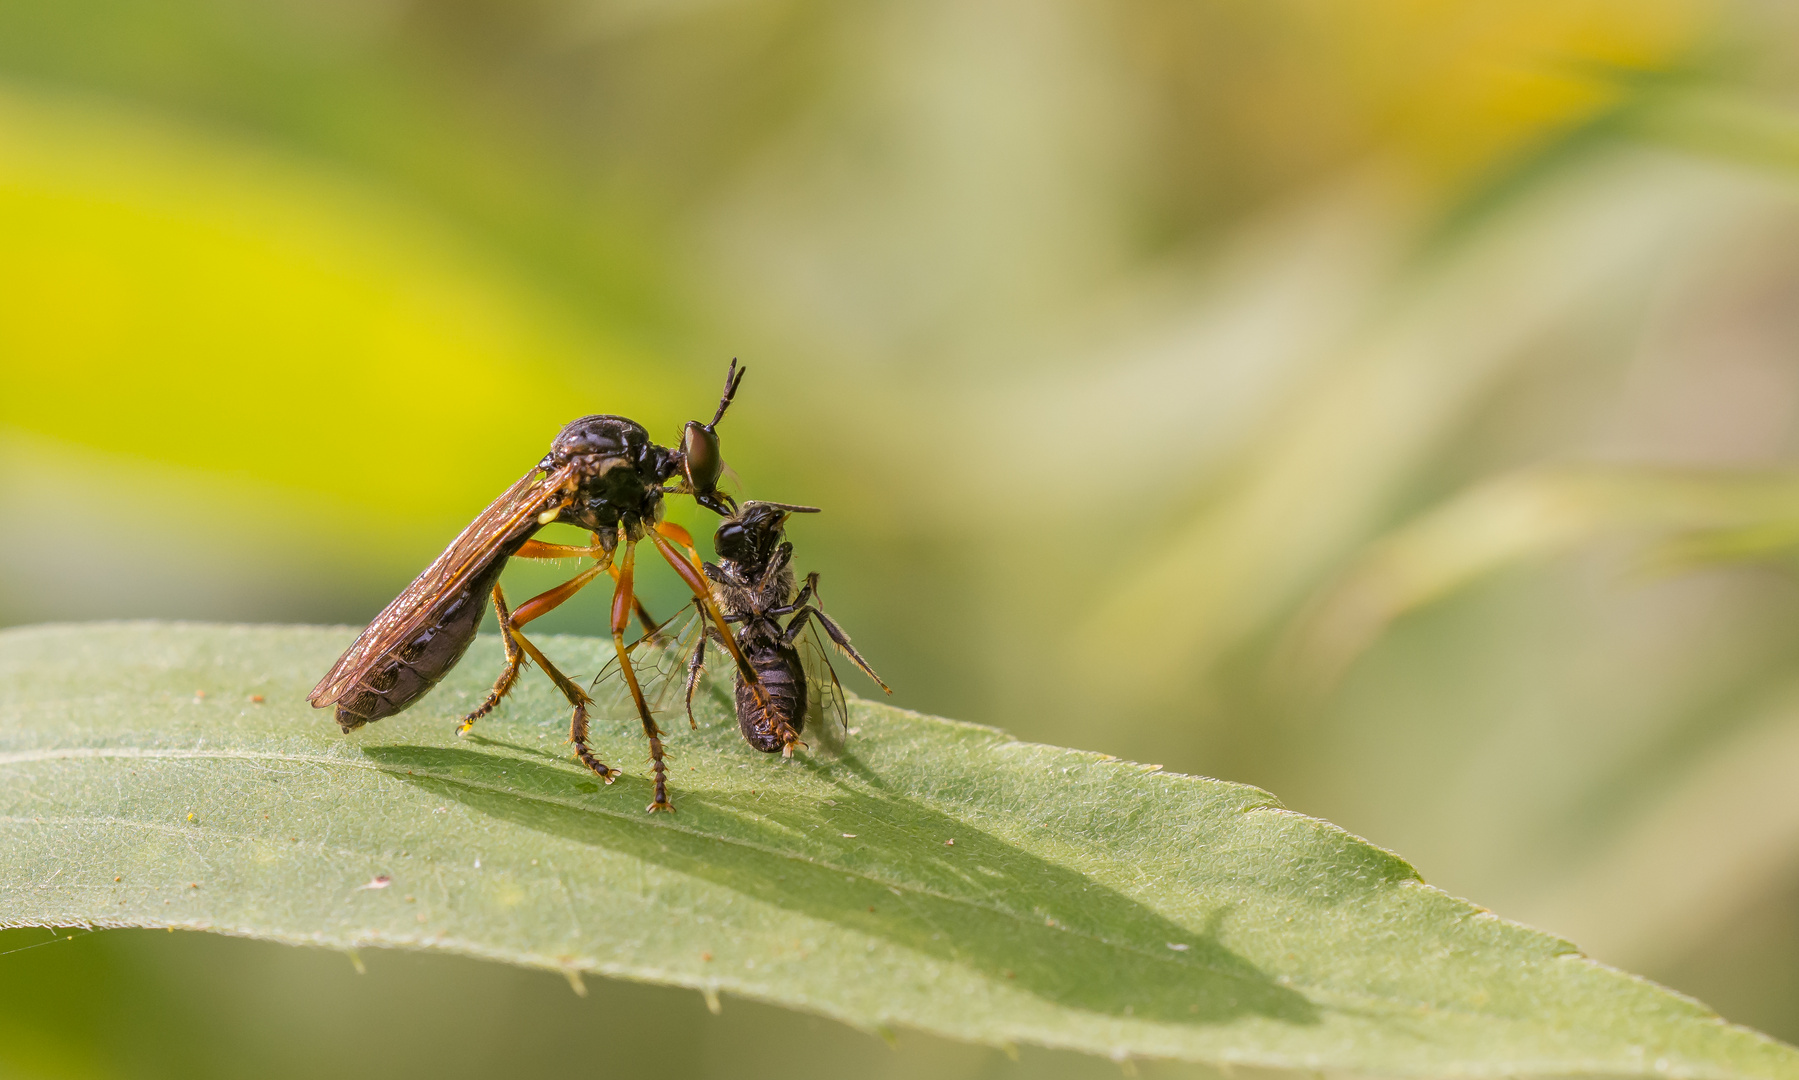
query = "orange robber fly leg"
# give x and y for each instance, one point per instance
(537, 549)
(696, 581)
(542, 604)
(621, 618)
(515, 658)
(681, 536)
(577, 726)
(550, 599)
(652, 630)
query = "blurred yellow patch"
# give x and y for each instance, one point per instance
(182, 297)
(1457, 87)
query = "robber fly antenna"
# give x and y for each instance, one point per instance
(732, 378)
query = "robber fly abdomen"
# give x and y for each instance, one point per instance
(602, 474)
(753, 585)
(409, 670)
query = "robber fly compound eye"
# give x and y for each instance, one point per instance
(701, 462)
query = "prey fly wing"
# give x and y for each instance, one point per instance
(661, 661)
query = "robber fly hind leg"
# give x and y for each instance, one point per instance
(511, 621)
(577, 725)
(577, 698)
(515, 659)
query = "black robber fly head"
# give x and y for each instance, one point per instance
(702, 463)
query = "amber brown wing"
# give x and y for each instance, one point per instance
(473, 549)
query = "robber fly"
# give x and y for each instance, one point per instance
(602, 474)
(752, 584)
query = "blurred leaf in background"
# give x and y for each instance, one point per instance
(1085, 324)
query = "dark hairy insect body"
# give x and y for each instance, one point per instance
(405, 673)
(753, 586)
(779, 665)
(602, 474)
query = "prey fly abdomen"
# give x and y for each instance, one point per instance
(778, 663)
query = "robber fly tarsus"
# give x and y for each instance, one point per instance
(602, 474)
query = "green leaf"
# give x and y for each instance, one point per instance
(934, 874)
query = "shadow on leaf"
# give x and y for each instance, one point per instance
(877, 864)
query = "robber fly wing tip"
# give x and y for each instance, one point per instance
(322, 694)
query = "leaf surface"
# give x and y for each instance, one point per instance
(931, 874)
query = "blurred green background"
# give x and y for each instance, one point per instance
(1387, 404)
